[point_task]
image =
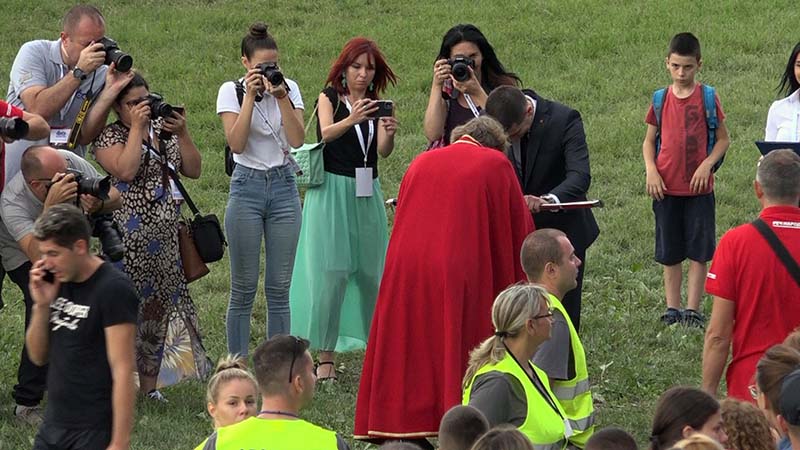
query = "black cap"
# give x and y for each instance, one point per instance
(790, 398)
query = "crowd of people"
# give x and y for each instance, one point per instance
(491, 313)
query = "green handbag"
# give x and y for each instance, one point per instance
(312, 166)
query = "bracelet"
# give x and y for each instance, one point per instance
(282, 97)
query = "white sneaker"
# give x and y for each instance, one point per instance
(156, 395)
(30, 415)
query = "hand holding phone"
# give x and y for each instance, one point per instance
(385, 108)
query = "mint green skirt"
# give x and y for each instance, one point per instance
(339, 264)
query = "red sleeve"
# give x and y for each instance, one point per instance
(721, 278)
(7, 110)
(651, 117)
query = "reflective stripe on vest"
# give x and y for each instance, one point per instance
(543, 425)
(283, 434)
(574, 395)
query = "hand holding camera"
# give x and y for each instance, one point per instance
(176, 122)
(140, 115)
(63, 189)
(441, 72)
(91, 57)
(254, 83)
(362, 110)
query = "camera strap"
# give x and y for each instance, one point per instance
(72, 141)
(471, 105)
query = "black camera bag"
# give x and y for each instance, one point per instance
(206, 231)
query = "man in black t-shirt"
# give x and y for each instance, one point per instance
(83, 323)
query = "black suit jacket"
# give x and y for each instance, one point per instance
(555, 160)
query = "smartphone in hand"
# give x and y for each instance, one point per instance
(385, 108)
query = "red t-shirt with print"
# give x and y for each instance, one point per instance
(6, 110)
(746, 271)
(684, 140)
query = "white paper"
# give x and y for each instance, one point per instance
(59, 136)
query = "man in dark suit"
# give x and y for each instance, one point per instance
(549, 153)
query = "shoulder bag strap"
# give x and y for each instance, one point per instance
(778, 248)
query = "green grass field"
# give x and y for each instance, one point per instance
(602, 58)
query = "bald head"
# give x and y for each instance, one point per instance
(78, 13)
(42, 162)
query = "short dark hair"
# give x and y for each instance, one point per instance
(272, 360)
(258, 38)
(677, 408)
(684, 44)
(460, 427)
(73, 17)
(64, 223)
(399, 445)
(779, 176)
(137, 81)
(30, 165)
(774, 365)
(503, 437)
(538, 249)
(506, 104)
(611, 438)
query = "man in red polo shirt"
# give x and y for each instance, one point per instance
(756, 299)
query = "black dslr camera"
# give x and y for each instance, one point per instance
(123, 61)
(271, 72)
(459, 67)
(158, 107)
(13, 128)
(103, 226)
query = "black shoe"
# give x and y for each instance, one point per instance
(692, 318)
(672, 316)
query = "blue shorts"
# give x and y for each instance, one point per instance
(685, 228)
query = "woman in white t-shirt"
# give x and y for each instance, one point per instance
(783, 120)
(262, 114)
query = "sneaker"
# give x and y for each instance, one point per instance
(672, 316)
(156, 395)
(30, 415)
(692, 318)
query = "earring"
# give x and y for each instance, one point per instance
(344, 81)
(372, 86)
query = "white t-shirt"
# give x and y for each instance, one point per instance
(783, 120)
(264, 149)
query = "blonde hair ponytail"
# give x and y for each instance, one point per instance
(511, 309)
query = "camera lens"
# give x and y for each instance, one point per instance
(13, 128)
(460, 71)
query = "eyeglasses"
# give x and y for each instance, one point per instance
(542, 316)
(300, 346)
(754, 392)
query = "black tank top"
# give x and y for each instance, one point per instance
(343, 155)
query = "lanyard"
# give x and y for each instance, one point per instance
(371, 135)
(472, 106)
(537, 383)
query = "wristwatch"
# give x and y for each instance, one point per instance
(79, 74)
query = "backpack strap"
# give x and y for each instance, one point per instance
(779, 249)
(658, 107)
(239, 91)
(712, 121)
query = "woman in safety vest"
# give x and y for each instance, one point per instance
(502, 382)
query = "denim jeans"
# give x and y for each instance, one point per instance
(263, 204)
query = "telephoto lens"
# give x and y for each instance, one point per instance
(13, 128)
(122, 61)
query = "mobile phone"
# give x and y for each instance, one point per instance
(49, 277)
(180, 110)
(385, 108)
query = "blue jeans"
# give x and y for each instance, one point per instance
(263, 204)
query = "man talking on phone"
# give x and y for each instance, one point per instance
(83, 323)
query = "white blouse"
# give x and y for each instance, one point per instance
(783, 119)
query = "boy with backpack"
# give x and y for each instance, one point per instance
(685, 143)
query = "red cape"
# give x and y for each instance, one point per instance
(459, 227)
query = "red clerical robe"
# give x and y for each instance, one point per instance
(459, 226)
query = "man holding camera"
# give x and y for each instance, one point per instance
(60, 79)
(43, 182)
(83, 323)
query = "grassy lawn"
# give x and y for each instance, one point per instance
(602, 58)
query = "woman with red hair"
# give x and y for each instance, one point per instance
(343, 238)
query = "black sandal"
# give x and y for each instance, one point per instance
(330, 378)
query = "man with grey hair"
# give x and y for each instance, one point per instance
(83, 323)
(755, 280)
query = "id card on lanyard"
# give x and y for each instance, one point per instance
(363, 174)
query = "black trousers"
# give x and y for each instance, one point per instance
(52, 437)
(572, 300)
(31, 379)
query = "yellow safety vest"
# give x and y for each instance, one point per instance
(271, 434)
(543, 425)
(574, 395)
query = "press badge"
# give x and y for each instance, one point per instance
(363, 181)
(176, 193)
(59, 136)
